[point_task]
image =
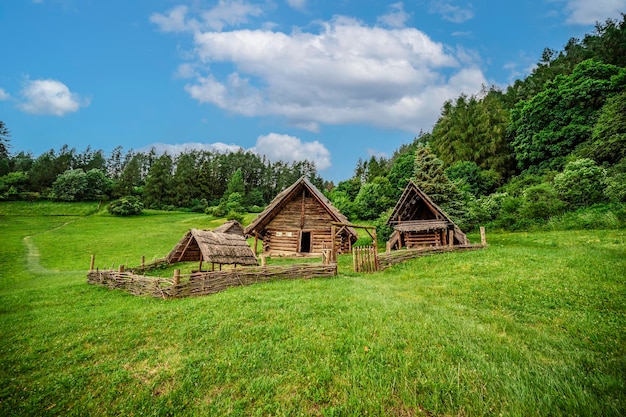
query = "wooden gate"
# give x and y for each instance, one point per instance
(365, 259)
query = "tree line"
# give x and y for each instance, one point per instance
(194, 180)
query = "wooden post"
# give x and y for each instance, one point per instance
(483, 237)
(176, 282)
(388, 246)
(263, 260)
(143, 262)
(333, 256)
(256, 243)
(93, 261)
(375, 252)
(451, 237)
(121, 268)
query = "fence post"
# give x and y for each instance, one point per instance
(121, 268)
(93, 261)
(176, 282)
(483, 237)
(143, 262)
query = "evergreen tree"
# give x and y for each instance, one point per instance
(158, 191)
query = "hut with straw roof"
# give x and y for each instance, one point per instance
(419, 222)
(232, 227)
(212, 247)
(298, 222)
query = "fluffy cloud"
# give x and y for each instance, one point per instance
(225, 13)
(396, 18)
(4, 95)
(450, 12)
(585, 12)
(346, 73)
(50, 97)
(341, 71)
(274, 146)
(290, 149)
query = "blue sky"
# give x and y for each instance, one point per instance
(329, 81)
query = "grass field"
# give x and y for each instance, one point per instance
(534, 325)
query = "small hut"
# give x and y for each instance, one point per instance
(299, 222)
(216, 248)
(231, 227)
(419, 222)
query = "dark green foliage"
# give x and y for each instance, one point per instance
(12, 185)
(401, 171)
(581, 183)
(608, 138)
(383, 231)
(158, 191)
(70, 186)
(548, 127)
(541, 202)
(474, 129)
(470, 177)
(374, 198)
(5, 136)
(126, 206)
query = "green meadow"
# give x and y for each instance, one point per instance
(533, 325)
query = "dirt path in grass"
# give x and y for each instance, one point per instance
(32, 253)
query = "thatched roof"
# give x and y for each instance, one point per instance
(265, 217)
(219, 248)
(232, 227)
(416, 212)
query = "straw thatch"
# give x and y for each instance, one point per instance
(217, 248)
(299, 220)
(232, 227)
(418, 221)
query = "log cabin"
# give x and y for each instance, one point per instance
(298, 222)
(419, 222)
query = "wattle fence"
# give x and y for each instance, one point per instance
(204, 283)
(387, 259)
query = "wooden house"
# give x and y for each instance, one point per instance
(419, 222)
(299, 222)
(211, 247)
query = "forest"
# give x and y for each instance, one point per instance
(549, 148)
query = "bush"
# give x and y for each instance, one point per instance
(126, 206)
(234, 215)
(581, 183)
(541, 202)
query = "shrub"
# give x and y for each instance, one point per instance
(234, 215)
(126, 206)
(581, 183)
(541, 202)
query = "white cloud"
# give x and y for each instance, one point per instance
(225, 13)
(396, 18)
(173, 21)
(276, 147)
(585, 12)
(50, 97)
(297, 4)
(346, 73)
(450, 12)
(4, 95)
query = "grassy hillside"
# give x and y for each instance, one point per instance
(533, 325)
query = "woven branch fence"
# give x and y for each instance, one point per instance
(387, 259)
(204, 283)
